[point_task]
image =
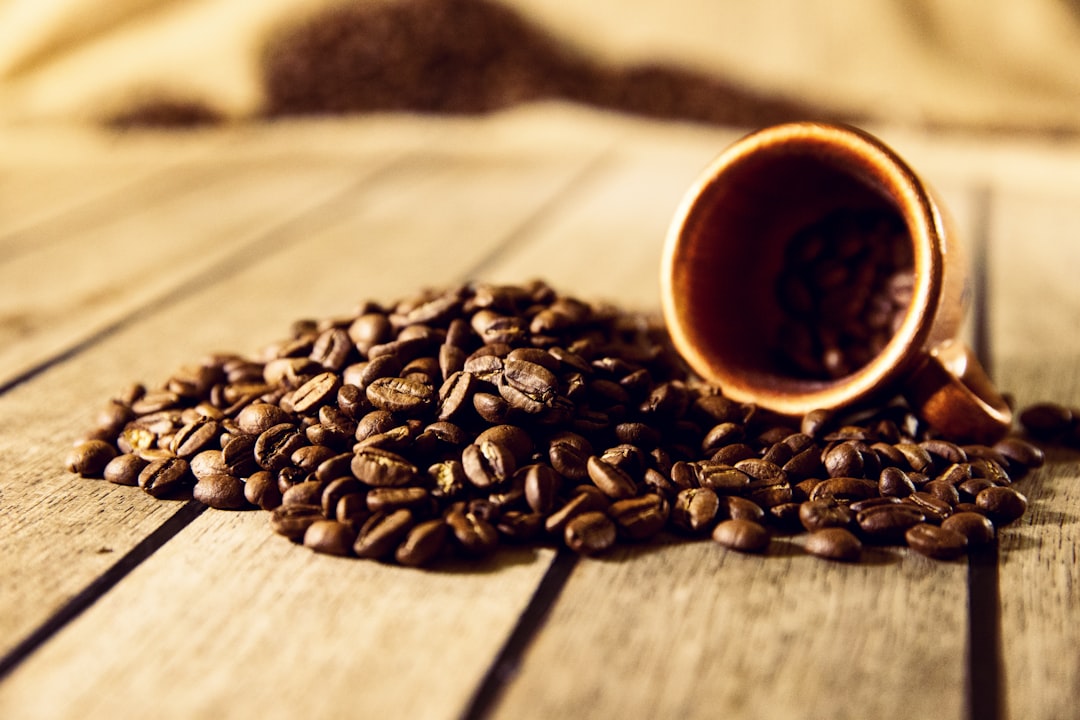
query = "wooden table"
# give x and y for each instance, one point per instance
(124, 257)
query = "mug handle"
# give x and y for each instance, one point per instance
(951, 391)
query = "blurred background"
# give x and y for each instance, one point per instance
(997, 66)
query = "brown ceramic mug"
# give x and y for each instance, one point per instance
(725, 248)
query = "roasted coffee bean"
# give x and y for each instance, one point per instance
(641, 517)
(487, 464)
(382, 468)
(208, 462)
(124, 469)
(768, 485)
(917, 457)
(733, 454)
(194, 437)
(334, 490)
(943, 490)
(89, 458)
(887, 523)
(695, 510)
(936, 542)
(610, 479)
(316, 392)
(590, 533)
(585, 499)
(737, 508)
(389, 499)
(261, 490)
(1020, 452)
(542, 486)
(423, 543)
(512, 437)
(844, 490)
(520, 526)
(309, 457)
(456, 394)
(274, 447)
(1002, 505)
(448, 479)
(476, 536)
(820, 514)
(722, 479)
(292, 521)
(257, 418)
(1047, 421)
(527, 386)
(844, 460)
(166, 477)
(381, 534)
(933, 508)
(975, 527)
(741, 535)
(224, 492)
(238, 453)
(308, 492)
(894, 482)
(834, 543)
(330, 537)
(404, 396)
(969, 489)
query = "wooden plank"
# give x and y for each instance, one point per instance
(1035, 327)
(78, 279)
(426, 222)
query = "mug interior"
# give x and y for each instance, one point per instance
(727, 248)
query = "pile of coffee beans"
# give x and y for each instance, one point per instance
(845, 285)
(452, 422)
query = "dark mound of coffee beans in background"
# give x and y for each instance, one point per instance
(452, 422)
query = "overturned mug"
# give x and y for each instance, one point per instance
(809, 268)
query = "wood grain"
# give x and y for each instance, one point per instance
(1036, 343)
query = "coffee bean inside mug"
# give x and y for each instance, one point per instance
(451, 423)
(845, 283)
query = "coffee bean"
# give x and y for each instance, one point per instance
(274, 447)
(382, 533)
(401, 395)
(820, 514)
(238, 453)
(423, 543)
(89, 458)
(975, 527)
(487, 464)
(1002, 505)
(292, 521)
(887, 523)
(936, 542)
(844, 490)
(587, 498)
(316, 392)
(723, 479)
(894, 482)
(194, 437)
(640, 518)
(124, 469)
(261, 490)
(741, 535)
(1021, 452)
(330, 537)
(695, 510)
(382, 468)
(611, 480)
(166, 477)
(834, 543)
(542, 485)
(737, 508)
(475, 535)
(590, 533)
(1046, 420)
(221, 491)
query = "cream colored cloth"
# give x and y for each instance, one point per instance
(967, 63)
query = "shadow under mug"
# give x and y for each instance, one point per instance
(725, 250)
